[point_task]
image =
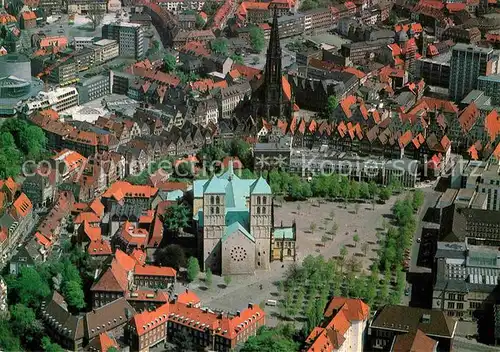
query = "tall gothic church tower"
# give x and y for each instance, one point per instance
(271, 102)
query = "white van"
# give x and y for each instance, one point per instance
(271, 302)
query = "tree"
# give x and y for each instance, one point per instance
(324, 239)
(73, 293)
(270, 340)
(170, 62)
(200, 22)
(208, 277)
(418, 199)
(8, 340)
(24, 324)
(219, 46)
(385, 193)
(331, 105)
(193, 269)
(312, 227)
(334, 229)
(364, 248)
(238, 59)
(28, 288)
(227, 280)
(257, 41)
(183, 341)
(49, 346)
(355, 238)
(95, 14)
(172, 256)
(176, 218)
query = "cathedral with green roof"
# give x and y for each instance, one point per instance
(235, 222)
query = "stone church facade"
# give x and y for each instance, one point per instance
(234, 219)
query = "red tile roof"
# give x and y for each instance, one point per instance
(414, 341)
(468, 117)
(99, 247)
(492, 125)
(346, 105)
(248, 72)
(405, 139)
(188, 297)
(22, 206)
(151, 270)
(473, 153)
(122, 189)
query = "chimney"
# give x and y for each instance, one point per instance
(238, 313)
(250, 305)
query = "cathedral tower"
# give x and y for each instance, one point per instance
(214, 217)
(261, 214)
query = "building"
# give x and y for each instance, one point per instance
(82, 7)
(93, 88)
(213, 331)
(51, 7)
(393, 323)
(272, 97)
(291, 25)
(232, 97)
(130, 38)
(27, 20)
(466, 278)
(435, 71)
(344, 327)
(58, 100)
(490, 85)
(74, 332)
(468, 62)
(64, 73)
(82, 42)
(234, 222)
(283, 243)
(317, 20)
(105, 50)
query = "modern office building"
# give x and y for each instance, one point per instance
(435, 70)
(468, 62)
(93, 88)
(105, 50)
(130, 38)
(490, 85)
(58, 99)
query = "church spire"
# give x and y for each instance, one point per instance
(273, 95)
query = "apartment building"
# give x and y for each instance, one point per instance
(82, 42)
(93, 88)
(51, 7)
(292, 25)
(82, 7)
(214, 331)
(468, 62)
(317, 20)
(58, 99)
(435, 70)
(231, 97)
(179, 6)
(130, 38)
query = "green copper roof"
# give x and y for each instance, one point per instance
(284, 233)
(260, 187)
(235, 227)
(215, 185)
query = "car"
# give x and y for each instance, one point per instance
(418, 240)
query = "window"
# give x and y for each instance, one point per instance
(211, 210)
(451, 296)
(451, 305)
(211, 199)
(264, 200)
(258, 200)
(217, 200)
(216, 210)
(460, 306)
(460, 297)
(258, 210)
(263, 210)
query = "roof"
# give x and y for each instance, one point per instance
(147, 321)
(188, 297)
(492, 124)
(121, 189)
(342, 312)
(99, 247)
(22, 206)
(111, 315)
(414, 342)
(29, 15)
(260, 186)
(151, 270)
(102, 343)
(409, 319)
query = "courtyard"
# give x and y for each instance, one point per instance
(363, 220)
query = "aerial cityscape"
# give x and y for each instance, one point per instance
(250, 175)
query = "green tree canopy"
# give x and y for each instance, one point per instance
(49, 346)
(257, 41)
(176, 218)
(219, 46)
(73, 293)
(8, 340)
(172, 256)
(29, 288)
(270, 340)
(208, 277)
(193, 269)
(170, 62)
